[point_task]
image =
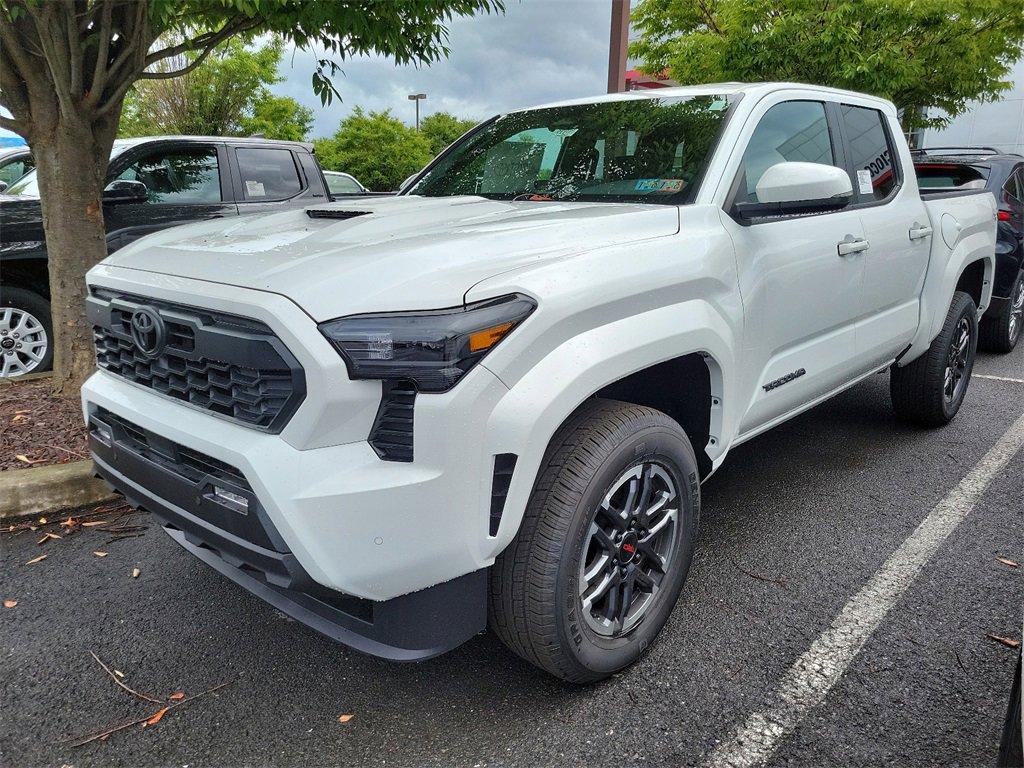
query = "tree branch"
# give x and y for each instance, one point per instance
(206, 42)
(99, 71)
(17, 126)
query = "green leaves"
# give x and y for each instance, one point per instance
(919, 54)
(442, 128)
(376, 148)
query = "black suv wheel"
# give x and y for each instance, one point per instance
(605, 544)
(1000, 333)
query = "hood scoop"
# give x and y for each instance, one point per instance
(334, 213)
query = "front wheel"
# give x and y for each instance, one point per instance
(604, 546)
(26, 333)
(930, 390)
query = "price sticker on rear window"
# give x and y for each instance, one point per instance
(864, 182)
(659, 185)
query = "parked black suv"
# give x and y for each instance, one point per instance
(153, 183)
(1002, 174)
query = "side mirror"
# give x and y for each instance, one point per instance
(3, 186)
(125, 191)
(798, 188)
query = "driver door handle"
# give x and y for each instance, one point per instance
(851, 244)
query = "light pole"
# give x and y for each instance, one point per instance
(618, 46)
(416, 97)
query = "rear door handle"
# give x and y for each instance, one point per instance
(852, 244)
(917, 232)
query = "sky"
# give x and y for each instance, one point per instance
(538, 51)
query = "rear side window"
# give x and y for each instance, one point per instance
(267, 174)
(794, 131)
(950, 176)
(871, 153)
(1014, 185)
(14, 169)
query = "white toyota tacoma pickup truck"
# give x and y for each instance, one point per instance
(492, 398)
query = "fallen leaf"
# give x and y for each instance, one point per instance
(91, 523)
(47, 537)
(135, 573)
(19, 418)
(119, 673)
(177, 696)
(10, 603)
(1009, 642)
(22, 457)
(345, 718)
(42, 521)
(22, 412)
(157, 717)
(36, 559)
(100, 554)
(1011, 563)
(69, 523)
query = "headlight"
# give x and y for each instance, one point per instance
(431, 349)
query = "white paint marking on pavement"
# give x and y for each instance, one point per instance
(814, 674)
(997, 378)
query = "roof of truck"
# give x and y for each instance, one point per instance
(211, 139)
(707, 89)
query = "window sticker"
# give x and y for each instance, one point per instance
(254, 188)
(659, 185)
(864, 182)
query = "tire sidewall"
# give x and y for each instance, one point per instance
(598, 656)
(36, 305)
(950, 408)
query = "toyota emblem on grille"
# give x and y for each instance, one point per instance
(148, 331)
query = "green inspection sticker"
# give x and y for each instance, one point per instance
(659, 185)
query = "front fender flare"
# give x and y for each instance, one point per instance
(536, 405)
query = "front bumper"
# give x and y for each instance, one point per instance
(177, 485)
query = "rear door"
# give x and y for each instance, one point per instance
(185, 183)
(801, 297)
(897, 228)
(271, 178)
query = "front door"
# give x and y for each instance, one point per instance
(800, 290)
(184, 184)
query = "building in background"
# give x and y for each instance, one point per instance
(998, 124)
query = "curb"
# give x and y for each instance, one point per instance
(26, 492)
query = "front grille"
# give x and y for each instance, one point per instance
(231, 366)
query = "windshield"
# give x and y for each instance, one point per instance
(647, 150)
(28, 185)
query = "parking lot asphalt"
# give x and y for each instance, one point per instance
(794, 525)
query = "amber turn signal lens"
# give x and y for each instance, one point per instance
(488, 337)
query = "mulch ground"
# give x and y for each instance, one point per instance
(38, 429)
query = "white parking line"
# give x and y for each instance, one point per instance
(997, 378)
(814, 674)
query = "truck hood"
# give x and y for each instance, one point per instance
(393, 253)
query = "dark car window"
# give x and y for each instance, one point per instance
(794, 131)
(939, 175)
(1014, 186)
(180, 176)
(870, 152)
(267, 174)
(13, 169)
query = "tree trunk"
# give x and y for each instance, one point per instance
(71, 166)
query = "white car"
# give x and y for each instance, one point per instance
(492, 398)
(340, 184)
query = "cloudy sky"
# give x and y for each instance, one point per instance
(538, 51)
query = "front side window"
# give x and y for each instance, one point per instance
(647, 150)
(179, 176)
(794, 131)
(871, 154)
(268, 174)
